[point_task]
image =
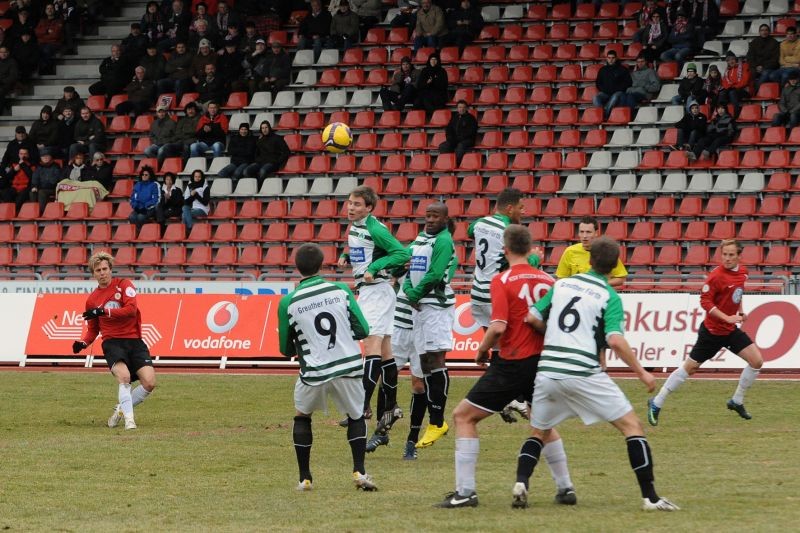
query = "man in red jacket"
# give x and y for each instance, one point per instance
(721, 298)
(212, 130)
(111, 310)
(736, 83)
(50, 36)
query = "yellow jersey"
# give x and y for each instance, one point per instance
(575, 260)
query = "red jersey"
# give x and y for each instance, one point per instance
(723, 289)
(513, 292)
(123, 319)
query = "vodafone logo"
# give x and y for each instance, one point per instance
(222, 317)
(464, 323)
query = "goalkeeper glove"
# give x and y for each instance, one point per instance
(77, 346)
(507, 414)
(94, 313)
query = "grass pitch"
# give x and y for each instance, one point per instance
(214, 453)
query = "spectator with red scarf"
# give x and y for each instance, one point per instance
(735, 83)
(15, 187)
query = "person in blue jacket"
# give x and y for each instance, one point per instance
(145, 199)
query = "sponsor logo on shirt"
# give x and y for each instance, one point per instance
(737, 295)
(357, 254)
(130, 292)
(419, 263)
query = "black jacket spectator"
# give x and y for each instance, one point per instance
(153, 22)
(44, 180)
(154, 64)
(76, 169)
(691, 127)
(11, 155)
(613, 78)
(171, 196)
(23, 22)
(316, 24)
(464, 24)
(90, 134)
(101, 171)
(432, 86)
(26, 52)
(9, 75)
(115, 73)
(241, 149)
(72, 100)
(692, 87)
(135, 44)
(66, 130)
(211, 87)
(272, 152)
(45, 131)
(141, 92)
(461, 133)
(230, 68)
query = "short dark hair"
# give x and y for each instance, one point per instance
(367, 193)
(462, 101)
(590, 220)
(508, 196)
(604, 255)
(308, 259)
(517, 239)
(611, 53)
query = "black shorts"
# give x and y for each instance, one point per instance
(708, 344)
(505, 380)
(132, 352)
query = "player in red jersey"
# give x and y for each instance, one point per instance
(512, 370)
(111, 310)
(721, 298)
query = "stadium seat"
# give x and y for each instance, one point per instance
(200, 232)
(696, 230)
(722, 229)
(175, 256)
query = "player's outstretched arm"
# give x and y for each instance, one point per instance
(396, 254)
(77, 346)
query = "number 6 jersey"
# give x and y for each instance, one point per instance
(320, 323)
(580, 312)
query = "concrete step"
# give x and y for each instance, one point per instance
(114, 31)
(99, 50)
(25, 112)
(56, 91)
(132, 11)
(77, 71)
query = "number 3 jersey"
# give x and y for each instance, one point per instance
(433, 262)
(320, 322)
(581, 311)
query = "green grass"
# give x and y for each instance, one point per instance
(215, 453)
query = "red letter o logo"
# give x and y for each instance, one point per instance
(788, 313)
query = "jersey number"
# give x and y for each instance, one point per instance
(328, 329)
(532, 296)
(480, 259)
(569, 319)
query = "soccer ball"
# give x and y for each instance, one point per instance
(336, 137)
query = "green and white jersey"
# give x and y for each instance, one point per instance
(433, 261)
(580, 311)
(487, 232)
(320, 322)
(403, 312)
(371, 248)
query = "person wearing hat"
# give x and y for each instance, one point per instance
(44, 180)
(432, 86)
(135, 44)
(153, 22)
(20, 141)
(690, 88)
(789, 104)
(279, 71)
(141, 93)
(44, 131)
(736, 83)
(71, 100)
(203, 33)
(230, 68)
(115, 72)
(691, 127)
(403, 89)
(344, 28)
(250, 38)
(712, 86)
(9, 75)
(256, 63)
(763, 54)
(681, 41)
(205, 56)
(162, 134)
(789, 59)
(242, 151)
(154, 63)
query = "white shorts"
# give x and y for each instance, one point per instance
(433, 328)
(377, 305)
(482, 314)
(405, 351)
(593, 399)
(347, 395)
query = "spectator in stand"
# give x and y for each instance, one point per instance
(27, 54)
(211, 130)
(202, 33)
(735, 83)
(201, 14)
(154, 64)
(145, 199)
(233, 36)
(613, 79)
(205, 56)
(432, 86)
(344, 28)
(461, 133)
(171, 197)
(314, 29)
(92, 12)
(279, 70)
(407, 16)
(211, 88)
(76, 169)
(20, 141)
(226, 17)
(9, 76)
(50, 36)
(250, 38)
(242, 150)
(369, 13)
(162, 136)
(140, 91)
(178, 72)
(403, 89)
(71, 100)
(789, 57)
(101, 171)
(66, 130)
(209, 5)
(115, 71)
(713, 86)
(196, 199)
(272, 152)
(230, 65)
(681, 41)
(704, 15)
(645, 84)
(185, 133)
(45, 131)
(430, 26)
(15, 186)
(177, 27)
(135, 44)
(721, 131)
(654, 37)
(23, 22)
(763, 56)
(675, 8)
(644, 19)
(464, 24)
(153, 23)
(44, 179)
(90, 134)
(690, 89)
(256, 65)
(789, 104)
(691, 128)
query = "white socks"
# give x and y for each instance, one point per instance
(674, 381)
(556, 459)
(748, 377)
(139, 395)
(125, 402)
(466, 460)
